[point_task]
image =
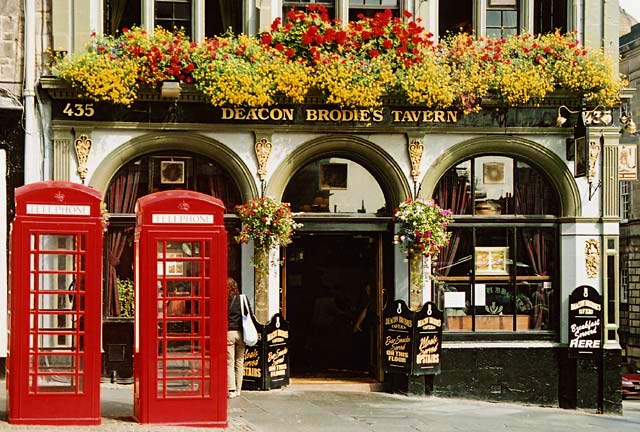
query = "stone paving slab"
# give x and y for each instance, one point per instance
(296, 409)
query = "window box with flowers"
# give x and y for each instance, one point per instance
(360, 65)
(269, 224)
(422, 233)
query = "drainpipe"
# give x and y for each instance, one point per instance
(32, 150)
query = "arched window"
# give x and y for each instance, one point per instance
(152, 173)
(500, 270)
(335, 185)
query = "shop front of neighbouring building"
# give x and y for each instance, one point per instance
(526, 230)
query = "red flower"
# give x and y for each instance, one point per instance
(275, 24)
(374, 53)
(289, 52)
(407, 14)
(341, 37)
(279, 46)
(266, 39)
(539, 58)
(387, 44)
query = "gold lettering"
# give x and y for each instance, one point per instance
(288, 113)
(252, 114)
(439, 116)
(406, 117)
(377, 115)
(227, 113)
(452, 116)
(427, 116)
(335, 115)
(396, 115)
(239, 114)
(312, 115)
(323, 115)
(264, 114)
(348, 115)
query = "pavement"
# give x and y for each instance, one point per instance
(306, 409)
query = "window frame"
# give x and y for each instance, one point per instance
(513, 224)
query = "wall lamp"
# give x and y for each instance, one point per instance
(598, 116)
(170, 89)
(628, 125)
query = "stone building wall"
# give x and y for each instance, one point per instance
(11, 46)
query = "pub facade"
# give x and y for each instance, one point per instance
(534, 218)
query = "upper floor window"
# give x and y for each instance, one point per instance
(119, 14)
(549, 16)
(173, 14)
(502, 18)
(219, 15)
(303, 4)
(370, 7)
(455, 17)
(625, 199)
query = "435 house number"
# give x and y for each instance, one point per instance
(79, 110)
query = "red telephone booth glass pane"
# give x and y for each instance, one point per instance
(183, 345)
(57, 308)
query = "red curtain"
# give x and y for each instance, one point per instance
(452, 193)
(121, 198)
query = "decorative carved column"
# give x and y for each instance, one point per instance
(415, 281)
(261, 261)
(415, 147)
(263, 149)
(610, 185)
(61, 154)
(419, 280)
(261, 283)
(82, 146)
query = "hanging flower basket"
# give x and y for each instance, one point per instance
(267, 222)
(422, 227)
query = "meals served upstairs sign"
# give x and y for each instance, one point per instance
(585, 322)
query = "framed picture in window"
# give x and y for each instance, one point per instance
(333, 176)
(491, 260)
(493, 173)
(171, 172)
(581, 157)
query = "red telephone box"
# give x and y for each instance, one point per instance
(181, 310)
(53, 366)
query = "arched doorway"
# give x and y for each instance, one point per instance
(139, 176)
(336, 268)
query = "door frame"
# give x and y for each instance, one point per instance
(348, 225)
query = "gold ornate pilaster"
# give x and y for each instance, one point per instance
(263, 149)
(592, 257)
(61, 154)
(415, 148)
(82, 146)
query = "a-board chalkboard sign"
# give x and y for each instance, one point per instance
(397, 340)
(427, 342)
(266, 364)
(585, 322)
(276, 336)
